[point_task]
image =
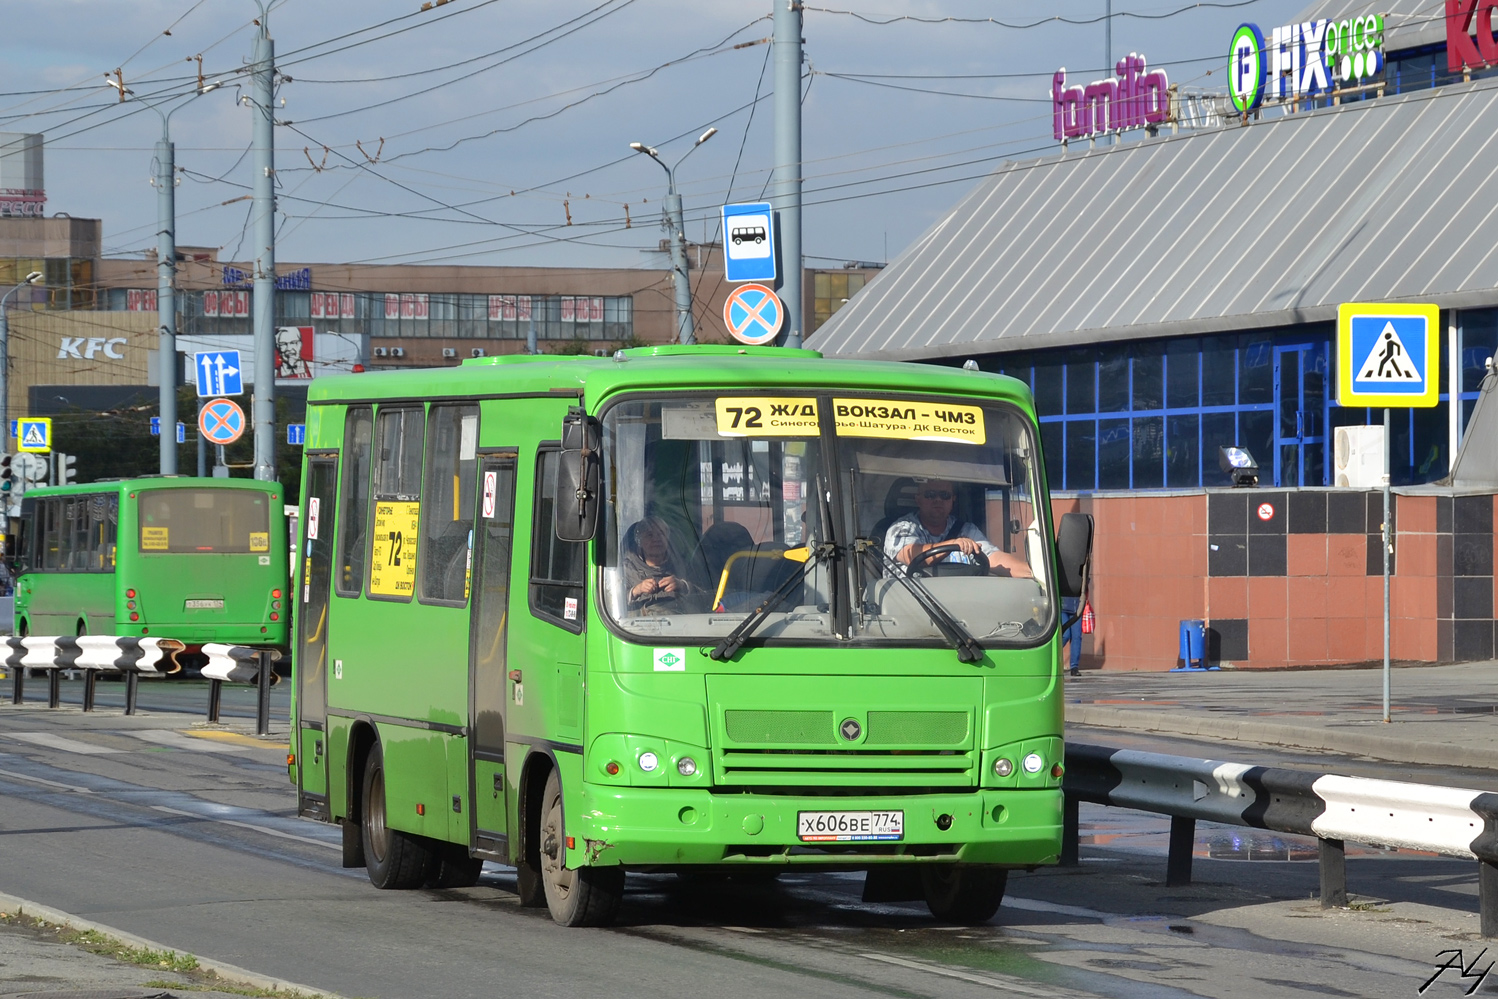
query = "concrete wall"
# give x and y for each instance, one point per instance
(1289, 577)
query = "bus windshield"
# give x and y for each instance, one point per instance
(911, 514)
(183, 521)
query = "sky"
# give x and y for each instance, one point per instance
(497, 131)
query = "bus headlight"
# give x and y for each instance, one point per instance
(649, 761)
(686, 766)
(1034, 763)
(1003, 766)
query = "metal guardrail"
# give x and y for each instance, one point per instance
(95, 654)
(1452, 822)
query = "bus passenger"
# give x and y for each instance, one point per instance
(932, 523)
(655, 584)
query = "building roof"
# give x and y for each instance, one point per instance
(1408, 24)
(1271, 223)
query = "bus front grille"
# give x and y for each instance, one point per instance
(832, 768)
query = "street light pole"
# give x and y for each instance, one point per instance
(166, 272)
(31, 279)
(685, 331)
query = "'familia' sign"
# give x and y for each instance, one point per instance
(1136, 97)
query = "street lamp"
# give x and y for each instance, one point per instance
(31, 279)
(684, 330)
(166, 266)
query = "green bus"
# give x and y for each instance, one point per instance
(198, 560)
(671, 611)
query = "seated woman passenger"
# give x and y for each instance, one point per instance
(655, 584)
(932, 523)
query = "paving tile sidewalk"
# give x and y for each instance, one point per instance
(1440, 715)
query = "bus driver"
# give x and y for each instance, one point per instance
(932, 523)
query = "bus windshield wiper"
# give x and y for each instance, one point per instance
(735, 639)
(968, 649)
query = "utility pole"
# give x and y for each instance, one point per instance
(786, 189)
(166, 301)
(264, 211)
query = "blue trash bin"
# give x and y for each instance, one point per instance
(1193, 644)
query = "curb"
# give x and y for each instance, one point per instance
(229, 972)
(1218, 727)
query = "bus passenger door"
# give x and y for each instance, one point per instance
(493, 551)
(311, 595)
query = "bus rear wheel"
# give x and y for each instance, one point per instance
(394, 859)
(960, 893)
(587, 896)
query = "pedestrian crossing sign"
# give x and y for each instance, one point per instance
(1388, 355)
(34, 435)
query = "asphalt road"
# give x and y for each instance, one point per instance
(188, 836)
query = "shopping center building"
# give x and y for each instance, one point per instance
(1167, 282)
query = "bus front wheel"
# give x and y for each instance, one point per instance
(587, 896)
(958, 893)
(394, 859)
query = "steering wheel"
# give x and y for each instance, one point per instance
(928, 563)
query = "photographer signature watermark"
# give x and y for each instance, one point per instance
(1454, 961)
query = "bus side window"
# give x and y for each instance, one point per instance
(51, 512)
(358, 439)
(557, 567)
(447, 505)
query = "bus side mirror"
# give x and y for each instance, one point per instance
(1073, 552)
(578, 476)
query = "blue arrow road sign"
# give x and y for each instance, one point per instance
(155, 426)
(219, 373)
(749, 242)
(296, 433)
(181, 432)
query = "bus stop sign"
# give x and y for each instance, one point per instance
(749, 242)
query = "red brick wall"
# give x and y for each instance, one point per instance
(1150, 571)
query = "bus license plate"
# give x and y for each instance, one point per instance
(848, 827)
(204, 605)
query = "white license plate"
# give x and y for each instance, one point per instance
(849, 827)
(204, 605)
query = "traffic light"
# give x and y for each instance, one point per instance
(67, 468)
(7, 476)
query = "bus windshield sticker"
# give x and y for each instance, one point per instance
(392, 569)
(911, 421)
(766, 416)
(153, 539)
(468, 438)
(259, 541)
(314, 505)
(491, 491)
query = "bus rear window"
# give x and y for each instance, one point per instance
(182, 521)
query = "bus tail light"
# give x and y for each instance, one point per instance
(130, 593)
(134, 616)
(274, 616)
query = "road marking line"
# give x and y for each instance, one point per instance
(992, 980)
(176, 740)
(249, 825)
(50, 741)
(49, 783)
